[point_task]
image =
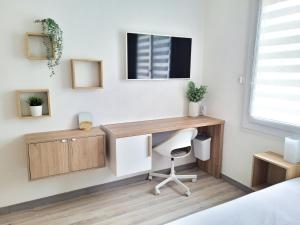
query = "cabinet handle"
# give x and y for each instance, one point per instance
(74, 139)
(63, 140)
(149, 150)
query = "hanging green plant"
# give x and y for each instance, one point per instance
(54, 42)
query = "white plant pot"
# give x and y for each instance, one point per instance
(36, 110)
(194, 109)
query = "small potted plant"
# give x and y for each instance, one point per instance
(195, 95)
(36, 105)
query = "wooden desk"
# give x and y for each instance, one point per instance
(213, 127)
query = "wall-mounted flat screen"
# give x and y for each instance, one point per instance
(158, 57)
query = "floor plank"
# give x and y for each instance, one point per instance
(131, 204)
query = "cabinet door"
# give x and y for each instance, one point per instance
(86, 153)
(133, 154)
(48, 158)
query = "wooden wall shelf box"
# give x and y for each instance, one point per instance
(23, 107)
(60, 152)
(270, 168)
(87, 73)
(38, 44)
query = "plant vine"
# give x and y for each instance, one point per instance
(53, 42)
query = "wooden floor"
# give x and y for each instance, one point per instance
(131, 204)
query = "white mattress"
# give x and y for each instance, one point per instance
(276, 205)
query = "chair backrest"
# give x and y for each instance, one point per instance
(180, 139)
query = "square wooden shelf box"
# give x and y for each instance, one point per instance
(35, 47)
(23, 107)
(86, 73)
(270, 168)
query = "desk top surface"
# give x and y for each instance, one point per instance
(120, 130)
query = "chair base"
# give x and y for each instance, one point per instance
(172, 177)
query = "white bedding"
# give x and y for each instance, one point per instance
(276, 205)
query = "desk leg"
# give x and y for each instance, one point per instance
(213, 166)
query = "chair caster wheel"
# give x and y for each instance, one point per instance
(156, 192)
(149, 177)
(194, 180)
(188, 193)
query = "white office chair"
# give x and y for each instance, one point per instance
(177, 146)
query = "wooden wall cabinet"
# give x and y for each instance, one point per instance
(86, 153)
(48, 159)
(54, 153)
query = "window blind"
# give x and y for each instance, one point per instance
(276, 82)
(143, 56)
(161, 49)
(153, 56)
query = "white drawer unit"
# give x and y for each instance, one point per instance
(130, 155)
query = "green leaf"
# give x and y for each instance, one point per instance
(195, 94)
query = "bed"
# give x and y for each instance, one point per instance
(276, 205)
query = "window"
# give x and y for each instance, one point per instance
(275, 83)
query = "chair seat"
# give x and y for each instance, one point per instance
(180, 152)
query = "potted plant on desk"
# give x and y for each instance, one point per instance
(36, 105)
(195, 95)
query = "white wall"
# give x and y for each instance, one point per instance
(93, 29)
(228, 27)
